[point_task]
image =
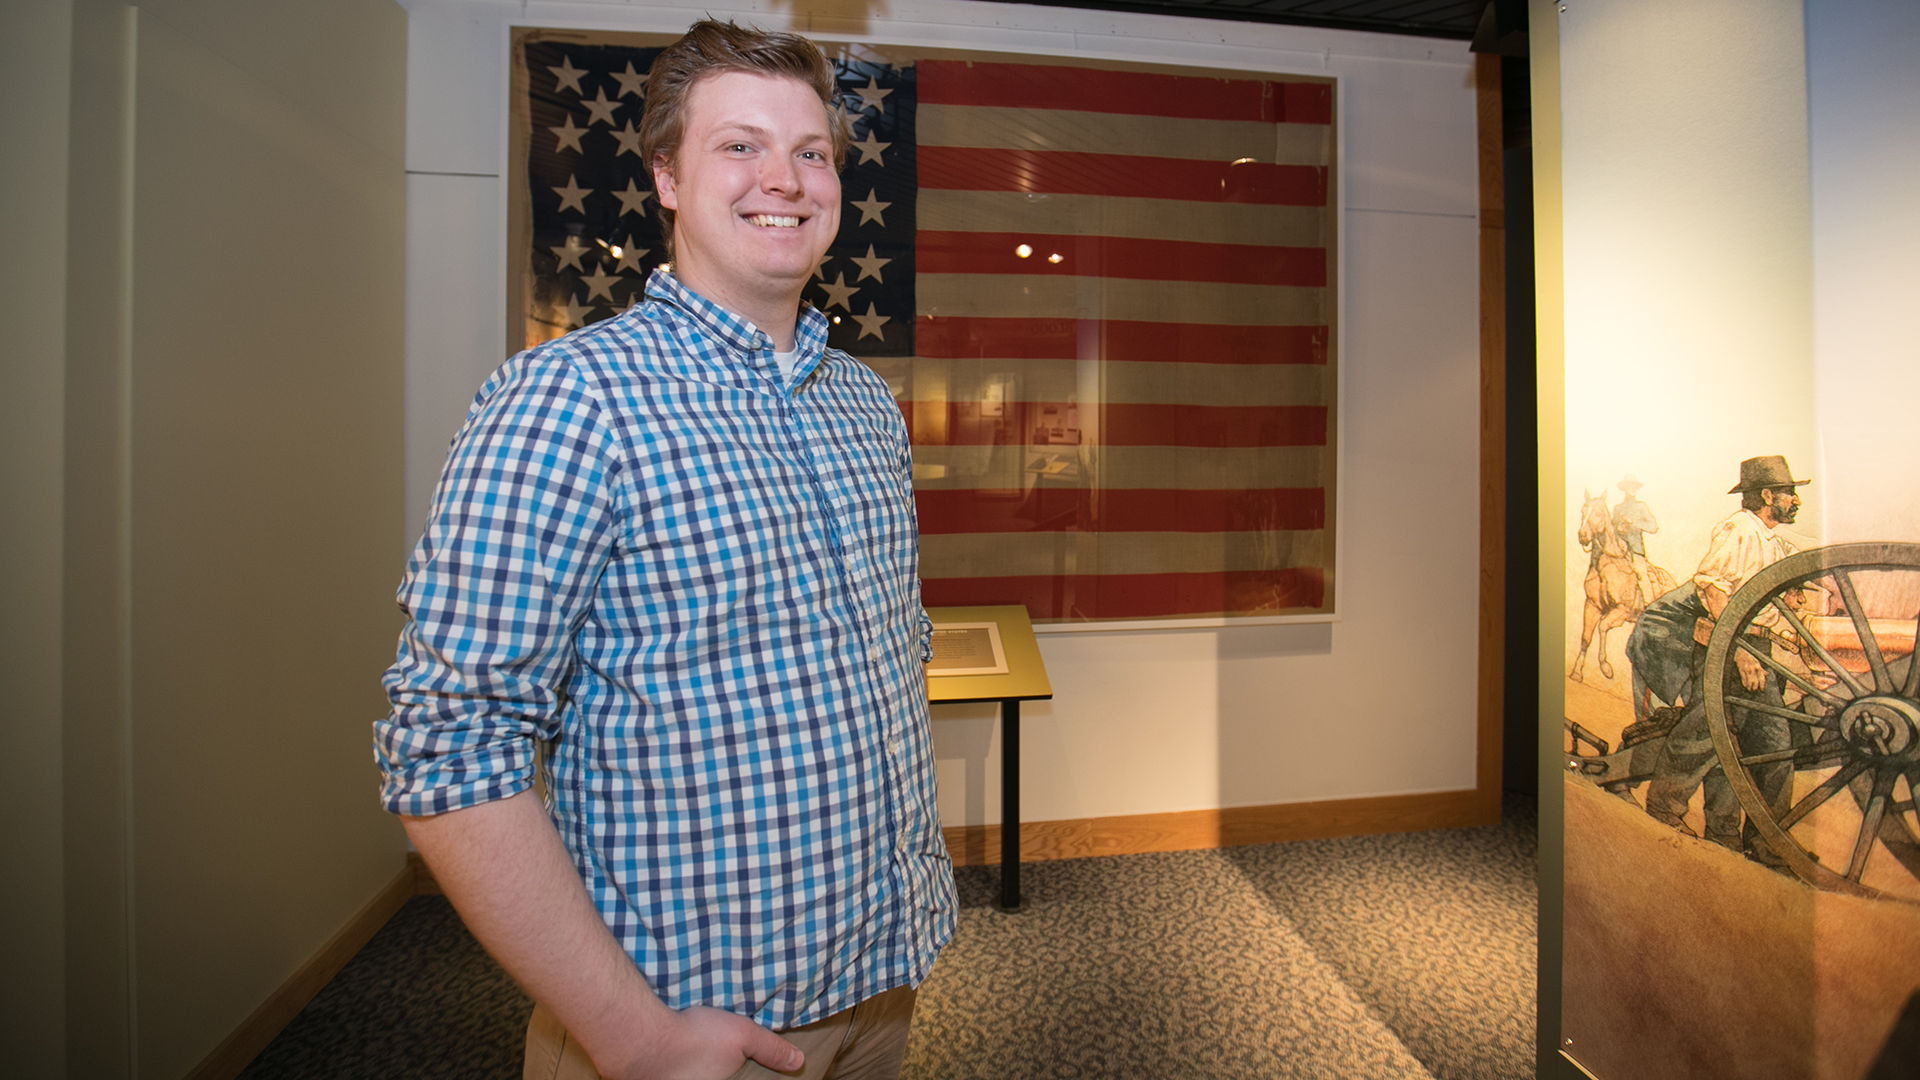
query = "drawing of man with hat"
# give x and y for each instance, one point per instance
(1633, 520)
(1738, 548)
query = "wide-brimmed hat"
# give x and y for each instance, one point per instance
(1629, 484)
(1765, 472)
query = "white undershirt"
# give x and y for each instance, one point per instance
(787, 361)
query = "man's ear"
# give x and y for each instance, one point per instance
(663, 184)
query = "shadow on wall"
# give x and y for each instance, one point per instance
(969, 741)
(1263, 642)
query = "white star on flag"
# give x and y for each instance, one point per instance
(573, 195)
(870, 266)
(870, 323)
(870, 149)
(599, 283)
(631, 82)
(839, 293)
(566, 76)
(633, 200)
(569, 135)
(629, 139)
(576, 312)
(630, 255)
(871, 96)
(870, 209)
(569, 254)
(601, 108)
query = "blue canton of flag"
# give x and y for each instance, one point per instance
(865, 284)
(596, 232)
(595, 237)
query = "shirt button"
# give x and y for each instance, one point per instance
(893, 746)
(873, 654)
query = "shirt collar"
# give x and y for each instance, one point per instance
(810, 332)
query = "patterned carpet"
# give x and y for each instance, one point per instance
(1407, 955)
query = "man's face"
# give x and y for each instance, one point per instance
(1784, 502)
(753, 189)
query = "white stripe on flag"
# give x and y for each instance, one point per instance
(1193, 468)
(1146, 219)
(1119, 382)
(1118, 133)
(1040, 553)
(1064, 297)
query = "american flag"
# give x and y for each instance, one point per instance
(1101, 297)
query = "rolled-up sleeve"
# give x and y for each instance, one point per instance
(523, 522)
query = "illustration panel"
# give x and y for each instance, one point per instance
(1103, 295)
(1743, 751)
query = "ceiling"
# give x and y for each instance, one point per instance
(1426, 18)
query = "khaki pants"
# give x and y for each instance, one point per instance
(866, 1042)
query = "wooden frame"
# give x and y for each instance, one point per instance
(1493, 433)
(1028, 518)
(1196, 830)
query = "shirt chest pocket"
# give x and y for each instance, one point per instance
(871, 488)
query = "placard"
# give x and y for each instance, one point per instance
(967, 649)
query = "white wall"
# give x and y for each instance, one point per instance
(1380, 702)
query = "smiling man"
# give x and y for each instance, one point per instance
(671, 570)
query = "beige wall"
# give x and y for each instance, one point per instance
(209, 450)
(34, 51)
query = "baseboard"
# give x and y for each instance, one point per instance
(1193, 830)
(256, 1031)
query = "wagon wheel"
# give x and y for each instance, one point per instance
(1855, 727)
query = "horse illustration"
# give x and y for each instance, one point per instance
(1613, 593)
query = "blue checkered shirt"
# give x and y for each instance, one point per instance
(692, 584)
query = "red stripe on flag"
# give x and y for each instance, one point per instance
(965, 168)
(1137, 596)
(1306, 103)
(1049, 509)
(1031, 86)
(1119, 339)
(1118, 257)
(1121, 424)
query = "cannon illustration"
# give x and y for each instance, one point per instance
(1830, 691)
